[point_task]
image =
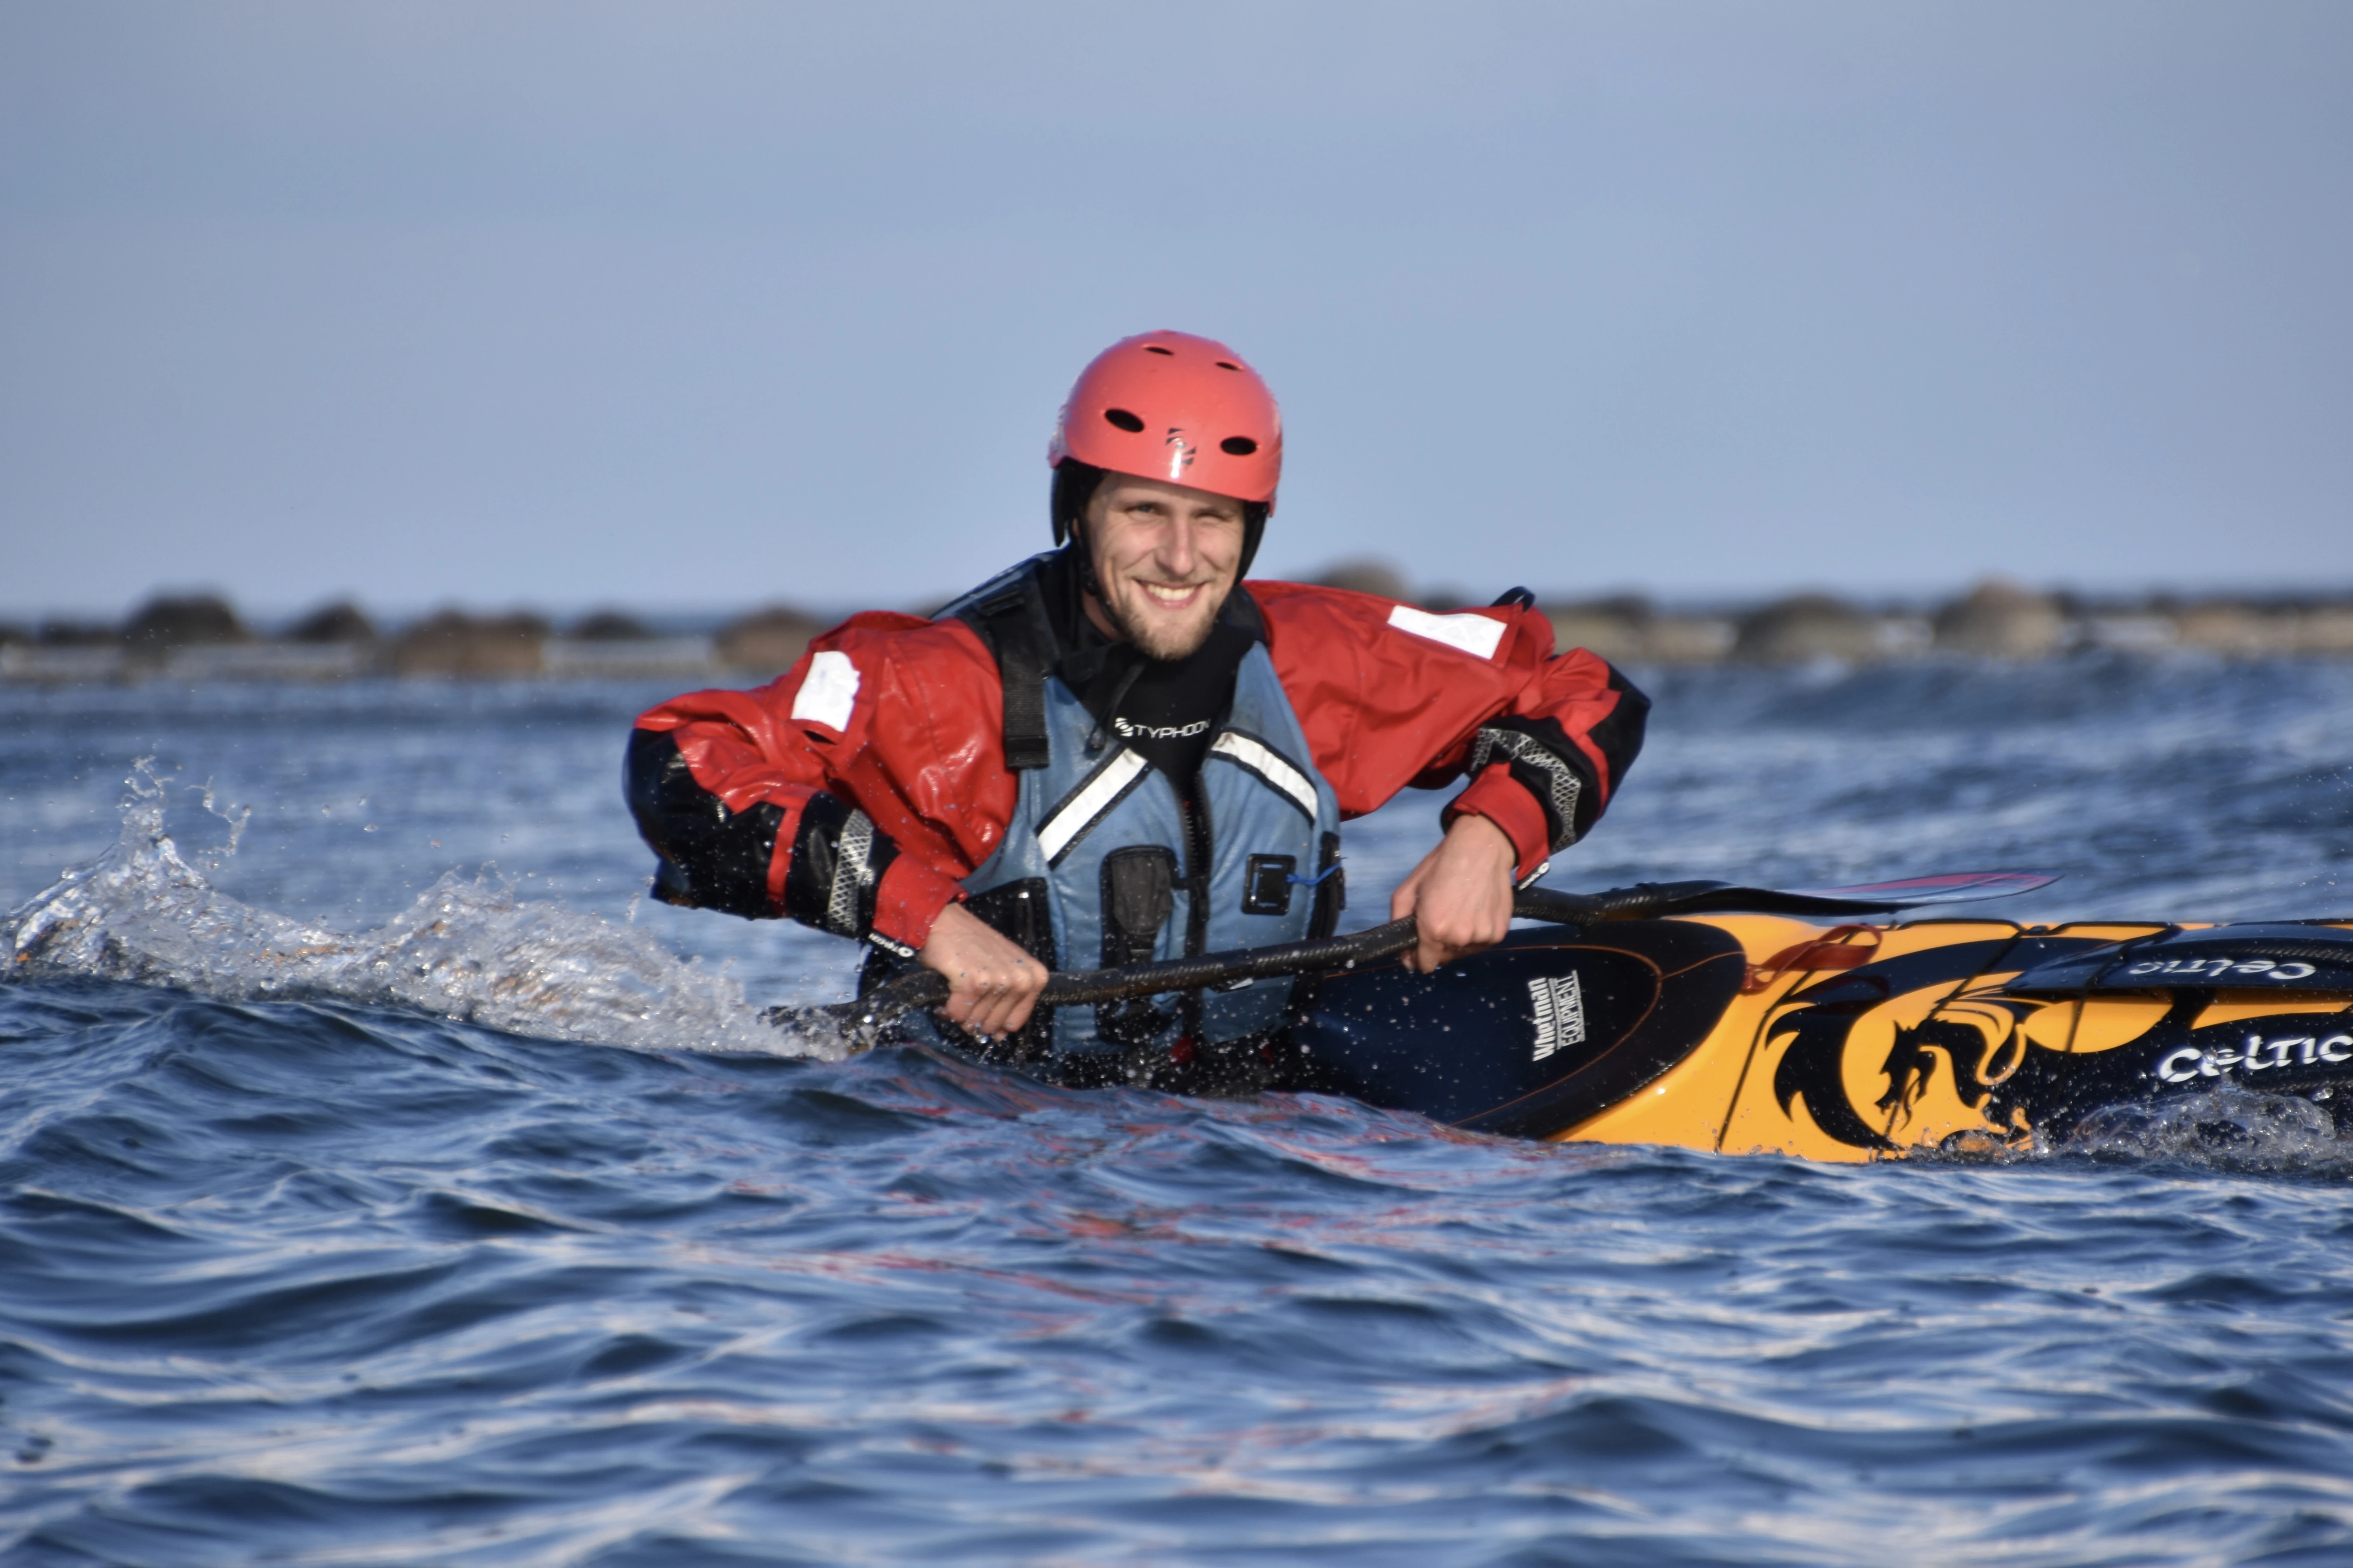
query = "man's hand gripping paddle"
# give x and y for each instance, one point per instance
(1644, 901)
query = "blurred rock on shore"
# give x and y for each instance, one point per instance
(1998, 619)
(766, 643)
(481, 647)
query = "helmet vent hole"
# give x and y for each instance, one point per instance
(1123, 419)
(1228, 365)
(1238, 446)
(1156, 348)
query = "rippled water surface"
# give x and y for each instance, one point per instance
(363, 1203)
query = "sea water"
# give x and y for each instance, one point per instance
(385, 1179)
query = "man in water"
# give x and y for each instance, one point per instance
(1118, 752)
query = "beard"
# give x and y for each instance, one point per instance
(1153, 635)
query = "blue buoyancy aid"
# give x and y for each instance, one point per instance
(1100, 836)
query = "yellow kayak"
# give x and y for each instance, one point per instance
(1752, 1032)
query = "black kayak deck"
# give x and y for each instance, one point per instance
(1528, 1037)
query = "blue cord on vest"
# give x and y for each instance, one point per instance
(1317, 879)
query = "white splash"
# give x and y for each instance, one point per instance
(466, 949)
(2233, 1128)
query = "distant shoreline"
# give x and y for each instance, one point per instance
(201, 638)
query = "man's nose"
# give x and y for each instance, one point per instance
(1178, 548)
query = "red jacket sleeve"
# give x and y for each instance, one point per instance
(888, 719)
(1391, 695)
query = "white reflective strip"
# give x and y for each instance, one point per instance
(1269, 765)
(828, 691)
(1474, 634)
(1089, 804)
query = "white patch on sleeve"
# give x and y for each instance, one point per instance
(828, 691)
(1475, 635)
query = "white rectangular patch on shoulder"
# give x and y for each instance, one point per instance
(1477, 636)
(829, 691)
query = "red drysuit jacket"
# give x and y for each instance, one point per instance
(902, 719)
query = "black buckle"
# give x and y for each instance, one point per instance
(1266, 884)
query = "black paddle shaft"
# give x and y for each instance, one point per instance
(1644, 900)
(928, 988)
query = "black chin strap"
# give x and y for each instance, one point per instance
(1254, 530)
(1089, 583)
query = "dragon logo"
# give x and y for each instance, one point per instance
(1979, 1042)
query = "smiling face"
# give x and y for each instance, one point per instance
(1167, 555)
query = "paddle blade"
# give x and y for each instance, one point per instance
(1655, 900)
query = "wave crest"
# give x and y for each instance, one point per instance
(467, 948)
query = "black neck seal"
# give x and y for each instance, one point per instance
(1037, 625)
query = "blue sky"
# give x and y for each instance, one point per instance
(703, 304)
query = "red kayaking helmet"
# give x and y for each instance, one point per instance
(1169, 405)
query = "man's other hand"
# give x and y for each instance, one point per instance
(1460, 893)
(992, 984)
